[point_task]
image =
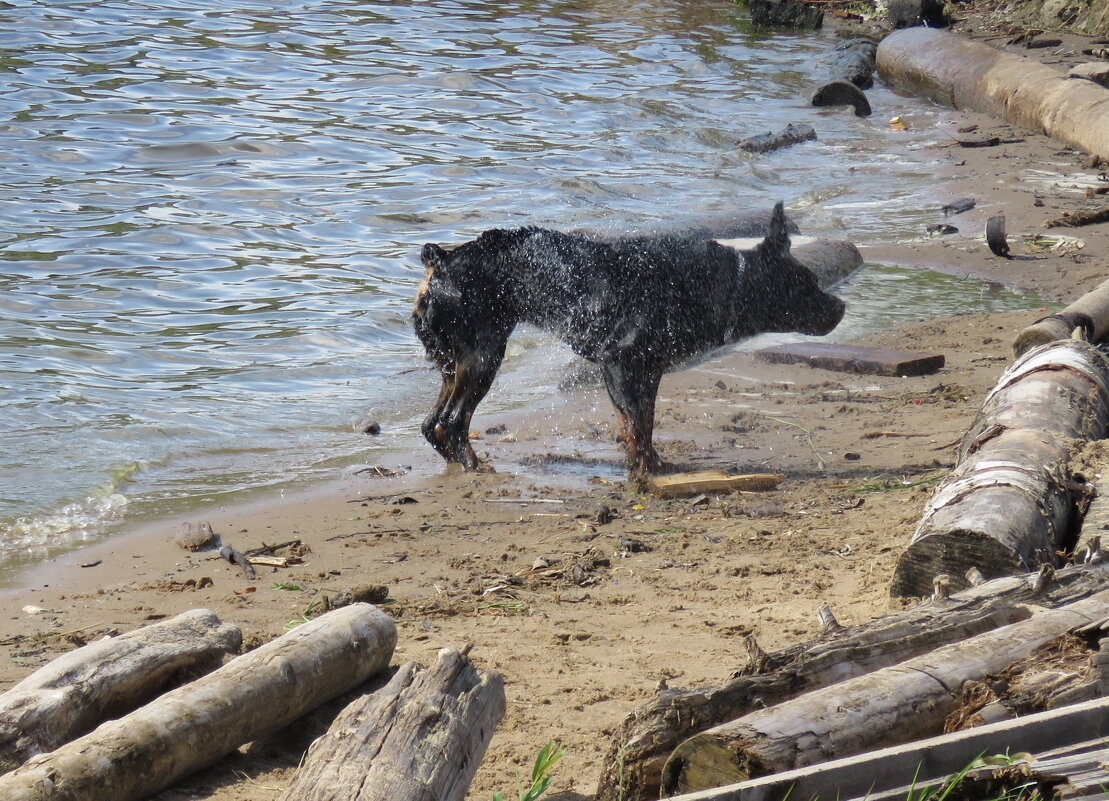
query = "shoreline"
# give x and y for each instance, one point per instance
(580, 649)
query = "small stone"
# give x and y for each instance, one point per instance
(367, 425)
(195, 537)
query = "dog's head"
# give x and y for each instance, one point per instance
(464, 298)
(783, 294)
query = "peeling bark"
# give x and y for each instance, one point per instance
(1008, 505)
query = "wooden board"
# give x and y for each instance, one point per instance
(853, 358)
(681, 484)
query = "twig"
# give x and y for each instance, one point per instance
(808, 436)
(269, 549)
(525, 500)
(43, 635)
(371, 531)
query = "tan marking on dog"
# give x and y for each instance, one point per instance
(421, 293)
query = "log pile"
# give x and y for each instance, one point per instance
(124, 718)
(633, 767)
(1014, 504)
(81, 689)
(893, 705)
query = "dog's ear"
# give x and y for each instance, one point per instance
(777, 234)
(433, 257)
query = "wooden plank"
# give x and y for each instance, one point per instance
(875, 772)
(853, 358)
(678, 485)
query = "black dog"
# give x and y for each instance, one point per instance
(635, 306)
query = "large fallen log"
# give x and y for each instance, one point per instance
(1008, 505)
(193, 726)
(81, 689)
(893, 705)
(957, 72)
(632, 768)
(911, 770)
(420, 737)
(1089, 313)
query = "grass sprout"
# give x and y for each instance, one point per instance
(545, 761)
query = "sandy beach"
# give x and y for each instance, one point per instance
(585, 594)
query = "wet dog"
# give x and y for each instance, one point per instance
(635, 306)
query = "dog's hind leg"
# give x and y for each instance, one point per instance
(632, 388)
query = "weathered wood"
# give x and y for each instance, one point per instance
(632, 768)
(1095, 522)
(842, 93)
(237, 558)
(790, 135)
(1007, 507)
(883, 775)
(192, 726)
(973, 75)
(853, 358)
(677, 485)
(421, 738)
(1089, 313)
(1078, 218)
(76, 692)
(1067, 670)
(893, 705)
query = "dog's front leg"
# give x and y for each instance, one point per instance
(473, 377)
(433, 427)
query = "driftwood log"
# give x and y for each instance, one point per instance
(790, 135)
(957, 72)
(913, 770)
(81, 689)
(632, 768)
(1089, 313)
(848, 70)
(420, 737)
(893, 705)
(841, 93)
(191, 727)
(1008, 505)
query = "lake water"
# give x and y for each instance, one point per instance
(210, 215)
